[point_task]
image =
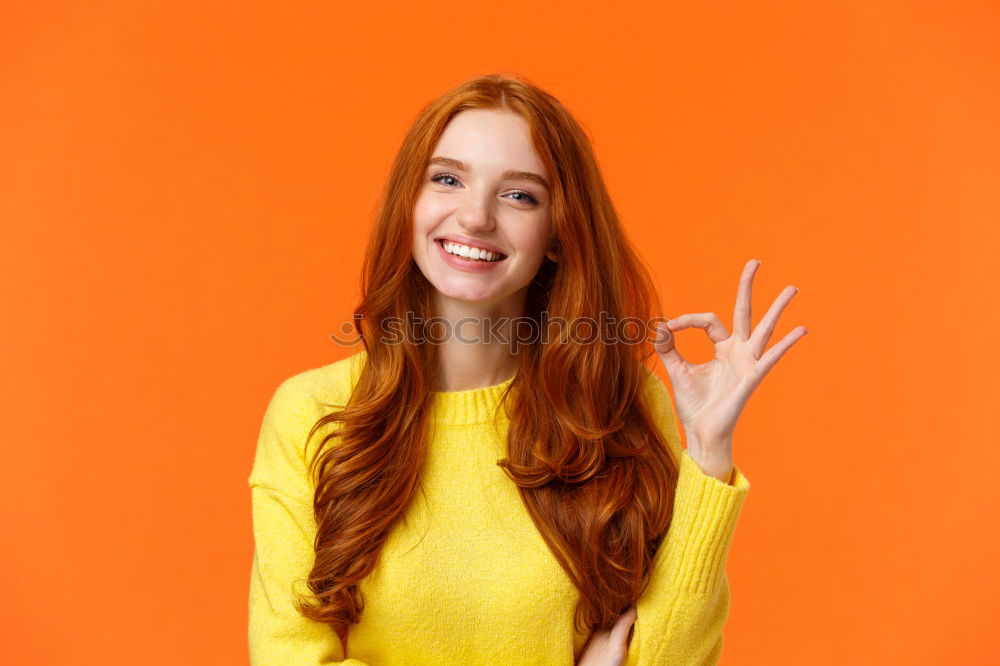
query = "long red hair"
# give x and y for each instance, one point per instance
(592, 469)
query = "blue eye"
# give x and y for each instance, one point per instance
(531, 199)
(437, 178)
(442, 176)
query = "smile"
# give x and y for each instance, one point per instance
(451, 254)
(470, 253)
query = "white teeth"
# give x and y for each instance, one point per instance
(469, 252)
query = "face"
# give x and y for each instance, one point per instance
(484, 189)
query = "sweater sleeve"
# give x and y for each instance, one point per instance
(681, 614)
(284, 531)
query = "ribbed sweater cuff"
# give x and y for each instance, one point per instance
(705, 514)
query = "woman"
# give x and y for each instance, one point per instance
(491, 489)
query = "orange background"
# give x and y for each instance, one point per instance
(186, 193)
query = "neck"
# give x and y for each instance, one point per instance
(476, 350)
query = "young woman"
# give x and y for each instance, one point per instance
(500, 478)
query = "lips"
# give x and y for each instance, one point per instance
(471, 242)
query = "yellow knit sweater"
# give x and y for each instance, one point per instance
(467, 579)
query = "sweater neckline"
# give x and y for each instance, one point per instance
(476, 405)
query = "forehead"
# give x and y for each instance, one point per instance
(490, 141)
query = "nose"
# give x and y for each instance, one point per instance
(477, 215)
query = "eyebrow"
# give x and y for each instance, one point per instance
(510, 174)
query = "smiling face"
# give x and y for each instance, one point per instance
(484, 188)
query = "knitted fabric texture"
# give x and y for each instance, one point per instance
(466, 578)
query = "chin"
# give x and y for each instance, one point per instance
(467, 297)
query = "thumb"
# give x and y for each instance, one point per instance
(622, 625)
(666, 349)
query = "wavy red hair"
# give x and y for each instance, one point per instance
(593, 470)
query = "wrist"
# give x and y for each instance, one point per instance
(714, 459)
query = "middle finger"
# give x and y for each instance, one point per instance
(744, 296)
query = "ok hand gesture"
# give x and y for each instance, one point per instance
(711, 396)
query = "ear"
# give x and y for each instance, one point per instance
(553, 252)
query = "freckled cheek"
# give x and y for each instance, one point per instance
(428, 214)
(423, 223)
(538, 242)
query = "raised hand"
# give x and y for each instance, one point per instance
(711, 396)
